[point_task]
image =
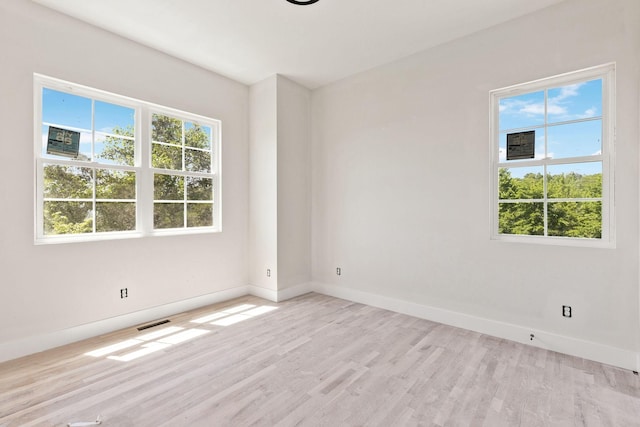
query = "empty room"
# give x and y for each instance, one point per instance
(320, 212)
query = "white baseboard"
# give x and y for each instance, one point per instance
(562, 344)
(268, 294)
(295, 291)
(580, 348)
(282, 295)
(35, 344)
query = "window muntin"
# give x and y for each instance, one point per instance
(105, 191)
(564, 186)
(181, 155)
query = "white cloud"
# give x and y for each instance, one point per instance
(532, 109)
(567, 92)
(591, 112)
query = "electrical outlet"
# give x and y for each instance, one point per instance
(268, 272)
(566, 311)
(339, 271)
(124, 293)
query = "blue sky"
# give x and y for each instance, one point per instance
(566, 103)
(74, 112)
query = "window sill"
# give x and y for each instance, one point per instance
(79, 238)
(555, 241)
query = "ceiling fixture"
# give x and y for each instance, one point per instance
(302, 3)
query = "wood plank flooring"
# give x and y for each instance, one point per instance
(313, 361)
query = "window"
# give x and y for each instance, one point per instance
(552, 143)
(183, 191)
(110, 167)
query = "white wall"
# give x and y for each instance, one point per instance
(44, 289)
(280, 168)
(401, 181)
(294, 184)
(263, 184)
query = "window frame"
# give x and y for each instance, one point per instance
(141, 167)
(605, 72)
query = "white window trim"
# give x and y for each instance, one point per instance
(142, 164)
(605, 72)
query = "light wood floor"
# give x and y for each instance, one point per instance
(315, 360)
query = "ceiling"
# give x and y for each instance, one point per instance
(250, 40)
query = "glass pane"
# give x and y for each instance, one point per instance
(114, 119)
(522, 111)
(576, 180)
(539, 153)
(197, 136)
(521, 218)
(115, 151)
(114, 184)
(166, 129)
(68, 182)
(576, 139)
(197, 161)
(84, 153)
(520, 183)
(65, 109)
(168, 215)
(199, 214)
(575, 219)
(115, 216)
(576, 101)
(68, 218)
(168, 187)
(199, 188)
(166, 157)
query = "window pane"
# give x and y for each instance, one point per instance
(168, 187)
(521, 111)
(575, 219)
(520, 183)
(576, 180)
(197, 136)
(199, 214)
(68, 182)
(168, 215)
(197, 161)
(65, 109)
(576, 139)
(114, 119)
(521, 218)
(166, 157)
(115, 216)
(575, 101)
(68, 218)
(115, 184)
(114, 151)
(166, 129)
(199, 188)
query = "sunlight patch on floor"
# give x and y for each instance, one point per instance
(149, 343)
(223, 313)
(164, 338)
(148, 348)
(233, 315)
(113, 348)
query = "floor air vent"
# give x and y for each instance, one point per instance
(151, 325)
